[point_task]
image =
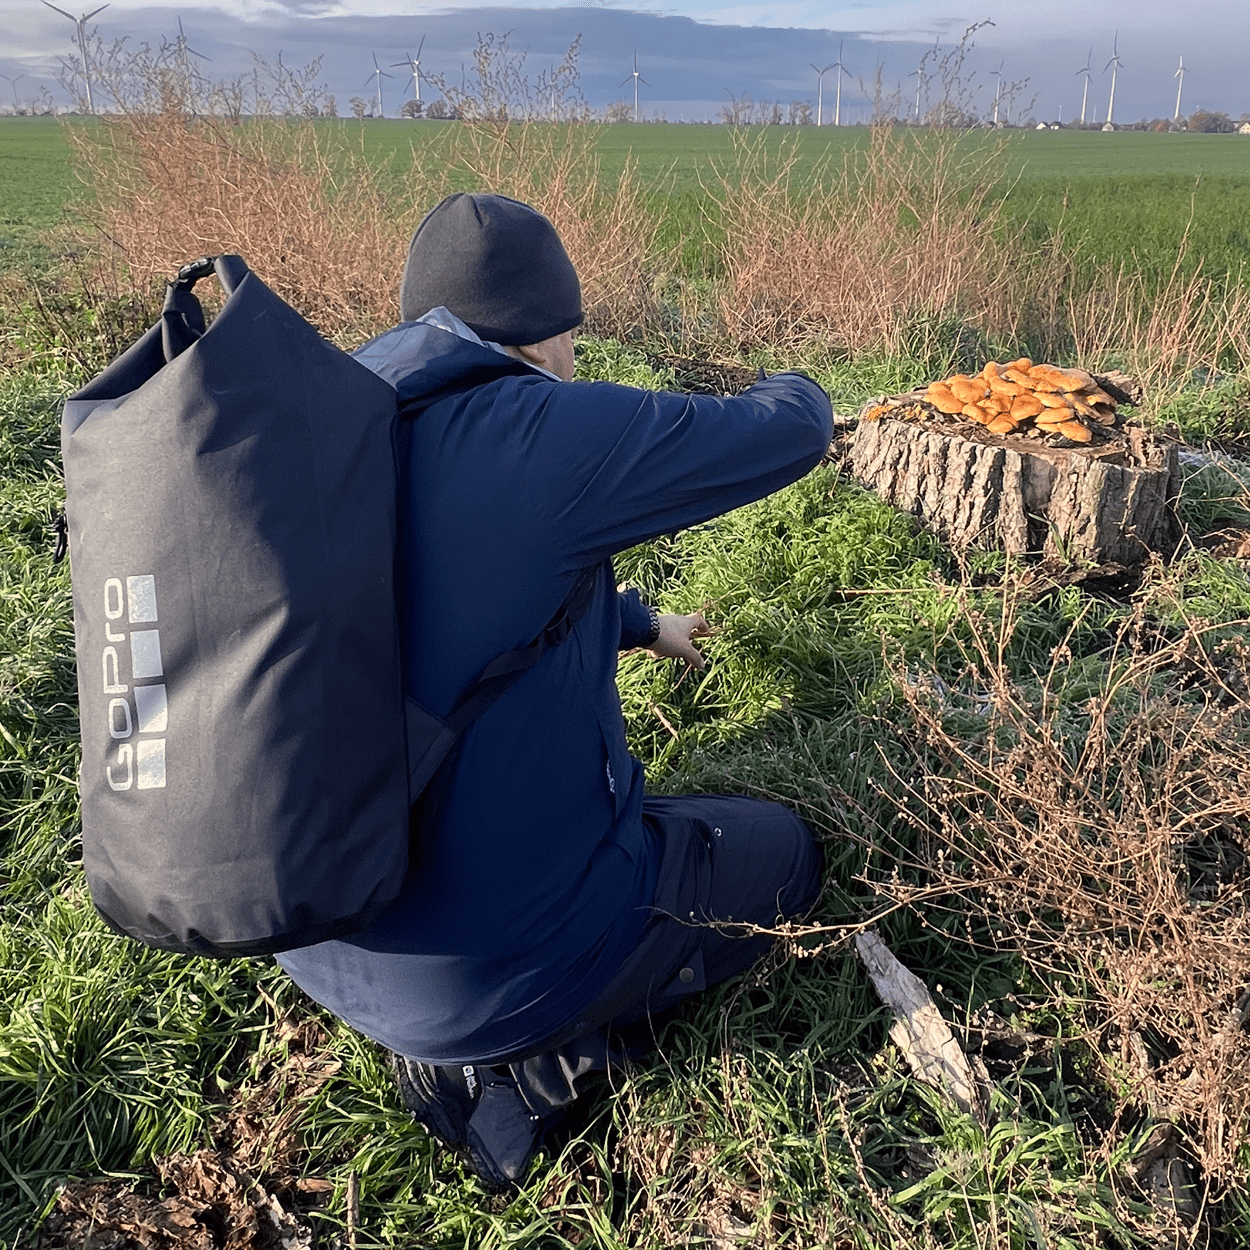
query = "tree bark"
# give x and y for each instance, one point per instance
(1111, 503)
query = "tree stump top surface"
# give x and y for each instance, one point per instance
(1106, 501)
(1124, 444)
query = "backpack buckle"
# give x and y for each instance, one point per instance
(193, 271)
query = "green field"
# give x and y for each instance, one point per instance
(691, 151)
(954, 727)
(1122, 195)
(36, 180)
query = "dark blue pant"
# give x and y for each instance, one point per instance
(725, 858)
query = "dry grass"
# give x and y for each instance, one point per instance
(1191, 321)
(326, 229)
(907, 240)
(902, 234)
(171, 188)
(902, 250)
(1106, 838)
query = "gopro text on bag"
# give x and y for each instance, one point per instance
(140, 761)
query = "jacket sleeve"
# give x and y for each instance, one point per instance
(622, 466)
(635, 619)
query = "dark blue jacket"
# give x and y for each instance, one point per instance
(532, 870)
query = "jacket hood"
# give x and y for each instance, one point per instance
(426, 358)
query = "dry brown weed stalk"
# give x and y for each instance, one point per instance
(894, 251)
(901, 234)
(908, 236)
(1108, 842)
(1192, 320)
(327, 229)
(171, 187)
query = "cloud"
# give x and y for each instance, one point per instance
(689, 59)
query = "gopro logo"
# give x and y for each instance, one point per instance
(134, 709)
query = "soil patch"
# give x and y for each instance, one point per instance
(215, 1206)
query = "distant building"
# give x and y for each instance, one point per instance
(1244, 128)
(1107, 126)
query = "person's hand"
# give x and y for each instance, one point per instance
(675, 635)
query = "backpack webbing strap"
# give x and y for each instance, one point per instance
(430, 739)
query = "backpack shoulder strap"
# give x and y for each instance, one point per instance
(430, 738)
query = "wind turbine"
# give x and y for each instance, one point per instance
(414, 64)
(637, 77)
(81, 24)
(13, 83)
(837, 105)
(820, 89)
(1180, 74)
(1114, 66)
(379, 74)
(1085, 69)
(184, 47)
(919, 77)
(998, 87)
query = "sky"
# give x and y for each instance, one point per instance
(695, 56)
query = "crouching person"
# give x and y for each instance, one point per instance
(549, 901)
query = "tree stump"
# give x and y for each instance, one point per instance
(1110, 502)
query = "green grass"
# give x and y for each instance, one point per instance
(688, 153)
(804, 1124)
(1065, 154)
(36, 180)
(777, 1102)
(1141, 219)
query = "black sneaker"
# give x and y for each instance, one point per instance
(477, 1110)
(442, 1099)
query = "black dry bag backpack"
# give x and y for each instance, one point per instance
(231, 510)
(248, 756)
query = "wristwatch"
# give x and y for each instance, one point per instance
(653, 634)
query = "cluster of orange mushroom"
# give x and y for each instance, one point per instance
(1006, 398)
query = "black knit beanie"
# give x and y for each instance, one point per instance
(497, 264)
